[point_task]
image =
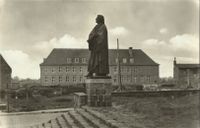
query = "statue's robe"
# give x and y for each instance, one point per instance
(98, 46)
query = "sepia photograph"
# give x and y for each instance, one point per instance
(99, 64)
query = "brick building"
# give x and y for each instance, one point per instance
(69, 66)
(186, 75)
(5, 74)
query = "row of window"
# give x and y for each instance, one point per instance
(125, 60)
(82, 69)
(129, 79)
(62, 79)
(76, 60)
(66, 69)
(75, 79)
(84, 60)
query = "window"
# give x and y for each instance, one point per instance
(73, 69)
(76, 60)
(116, 60)
(115, 69)
(69, 60)
(60, 79)
(124, 60)
(67, 69)
(83, 60)
(52, 70)
(131, 60)
(81, 70)
(135, 79)
(80, 78)
(59, 69)
(74, 79)
(53, 79)
(45, 79)
(67, 78)
(148, 79)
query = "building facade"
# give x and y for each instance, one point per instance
(186, 75)
(69, 66)
(5, 74)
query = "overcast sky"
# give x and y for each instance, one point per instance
(164, 29)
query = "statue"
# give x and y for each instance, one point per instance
(98, 46)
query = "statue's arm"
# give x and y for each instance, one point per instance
(102, 34)
(93, 34)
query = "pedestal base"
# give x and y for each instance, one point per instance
(99, 91)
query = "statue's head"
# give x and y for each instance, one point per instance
(100, 19)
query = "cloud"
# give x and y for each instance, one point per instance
(67, 41)
(186, 42)
(152, 42)
(163, 31)
(21, 63)
(185, 47)
(26, 65)
(119, 31)
(2, 3)
(196, 3)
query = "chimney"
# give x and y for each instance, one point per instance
(174, 60)
(130, 50)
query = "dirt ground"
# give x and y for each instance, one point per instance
(156, 112)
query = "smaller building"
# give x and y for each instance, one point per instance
(5, 74)
(187, 75)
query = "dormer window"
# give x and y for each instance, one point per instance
(76, 60)
(83, 60)
(124, 60)
(116, 60)
(131, 60)
(69, 60)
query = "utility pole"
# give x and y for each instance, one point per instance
(8, 109)
(119, 67)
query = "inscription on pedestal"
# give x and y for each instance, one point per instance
(99, 92)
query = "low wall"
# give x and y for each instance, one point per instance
(175, 93)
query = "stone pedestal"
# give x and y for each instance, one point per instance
(99, 91)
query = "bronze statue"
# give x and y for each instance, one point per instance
(98, 46)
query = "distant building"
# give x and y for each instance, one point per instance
(69, 66)
(5, 74)
(186, 75)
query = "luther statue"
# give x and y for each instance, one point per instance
(98, 46)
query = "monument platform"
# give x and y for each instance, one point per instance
(98, 91)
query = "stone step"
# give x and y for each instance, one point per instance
(108, 121)
(48, 124)
(62, 122)
(69, 121)
(92, 119)
(54, 123)
(79, 120)
(58, 122)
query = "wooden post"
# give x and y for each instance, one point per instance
(119, 67)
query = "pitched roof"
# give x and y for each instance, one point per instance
(59, 56)
(3, 61)
(188, 65)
